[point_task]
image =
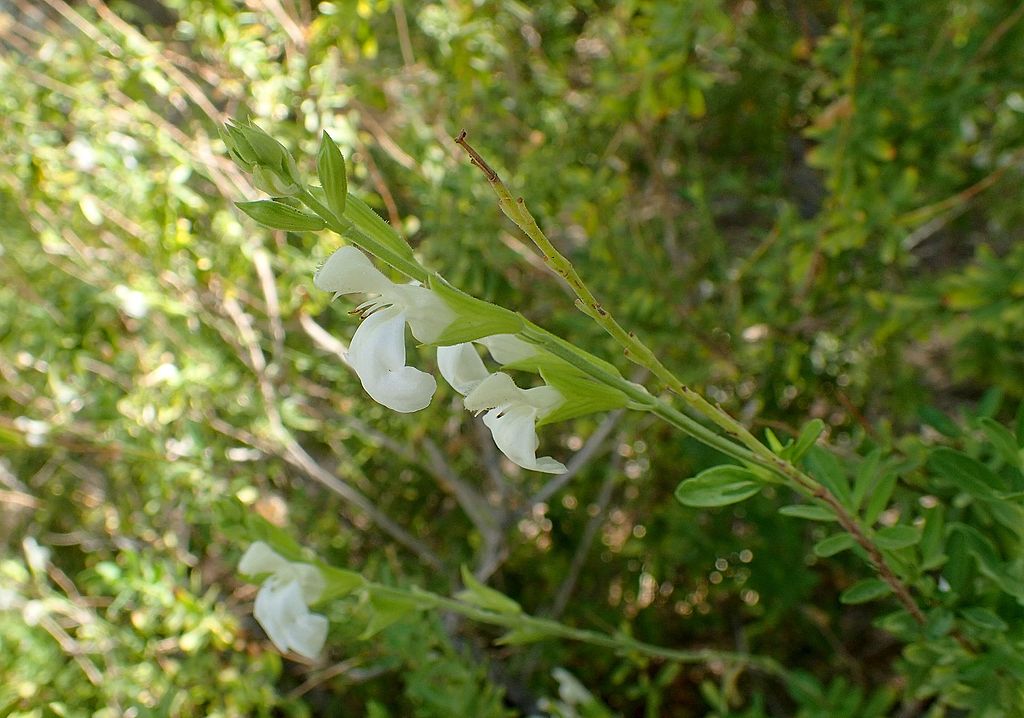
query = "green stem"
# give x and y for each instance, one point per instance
(752, 450)
(546, 628)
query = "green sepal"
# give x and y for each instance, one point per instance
(330, 166)
(338, 582)
(475, 318)
(718, 486)
(583, 394)
(373, 226)
(280, 216)
(388, 609)
(477, 594)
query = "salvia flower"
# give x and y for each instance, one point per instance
(512, 413)
(377, 350)
(282, 603)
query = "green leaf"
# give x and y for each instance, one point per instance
(834, 544)
(863, 591)
(718, 486)
(483, 596)
(809, 512)
(476, 318)
(867, 477)
(984, 618)
(824, 466)
(879, 498)
(931, 538)
(1003, 440)
(280, 216)
(808, 435)
(897, 537)
(967, 474)
(773, 441)
(939, 421)
(369, 223)
(330, 166)
(521, 636)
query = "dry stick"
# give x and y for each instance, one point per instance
(638, 352)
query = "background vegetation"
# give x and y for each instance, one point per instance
(810, 210)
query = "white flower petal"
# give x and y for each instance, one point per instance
(283, 614)
(515, 434)
(508, 348)
(377, 353)
(496, 390)
(259, 558)
(347, 271)
(461, 367)
(428, 315)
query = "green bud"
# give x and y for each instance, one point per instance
(330, 165)
(272, 183)
(280, 216)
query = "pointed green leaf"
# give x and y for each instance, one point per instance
(834, 544)
(521, 636)
(1003, 440)
(483, 596)
(863, 591)
(280, 216)
(984, 618)
(824, 466)
(939, 421)
(330, 166)
(867, 477)
(809, 512)
(967, 474)
(808, 435)
(879, 497)
(718, 486)
(897, 537)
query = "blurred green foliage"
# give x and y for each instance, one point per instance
(810, 210)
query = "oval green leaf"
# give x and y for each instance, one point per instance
(863, 591)
(834, 544)
(897, 537)
(718, 486)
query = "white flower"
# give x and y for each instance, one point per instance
(512, 412)
(282, 603)
(377, 350)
